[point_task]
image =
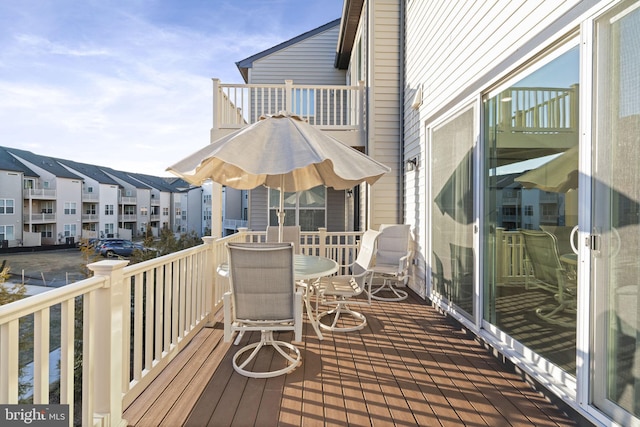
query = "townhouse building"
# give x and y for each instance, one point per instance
(49, 201)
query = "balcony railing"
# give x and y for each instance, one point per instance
(90, 197)
(39, 193)
(327, 107)
(127, 200)
(143, 314)
(40, 218)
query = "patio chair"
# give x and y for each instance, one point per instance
(263, 298)
(393, 259)
(342, 291)
(545, 270)
(290, 233)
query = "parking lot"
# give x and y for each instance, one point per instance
(53, 268)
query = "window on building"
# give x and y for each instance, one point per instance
(46, 207)
(108, 229)
(108, 209)
(144, 211)
(6, 232)
(90, 209)
(7, 206)
(305, 208)
(69, 208)
(69, 230)
(165, 211)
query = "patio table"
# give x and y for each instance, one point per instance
(307, 269)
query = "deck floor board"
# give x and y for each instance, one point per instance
(410, 366)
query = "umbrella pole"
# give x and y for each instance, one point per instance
(281, 212)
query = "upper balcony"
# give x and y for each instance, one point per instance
(337, 110)
(39, 193)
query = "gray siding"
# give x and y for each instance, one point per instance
(336, 216)
(307, 62)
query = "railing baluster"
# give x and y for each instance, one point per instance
(41, 320)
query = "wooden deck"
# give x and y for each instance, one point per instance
(411, 366)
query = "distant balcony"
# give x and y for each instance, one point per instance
(127, 200)
(233, 224)
(154, 217)
(129, 217)
(90, 217)
(90, 197)
(337, 110)
(155, 202)
(41, 218)
(39, 193)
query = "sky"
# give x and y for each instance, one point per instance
(127, 83)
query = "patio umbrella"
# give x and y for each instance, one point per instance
(283, 152)
(557, 176)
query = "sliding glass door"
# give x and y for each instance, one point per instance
(531, 136)
(615, 241)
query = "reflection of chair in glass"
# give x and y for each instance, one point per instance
(290, 233)
(262, 298)
(393, 259)
(342, 291)
(544, 270)
(462, 268)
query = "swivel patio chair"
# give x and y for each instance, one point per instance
(545, 271)
(342, 291)
(393, 260)
(263, 298)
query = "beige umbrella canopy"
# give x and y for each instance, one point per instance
(557, 176)
(282, 152)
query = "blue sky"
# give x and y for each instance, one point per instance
(127, 83)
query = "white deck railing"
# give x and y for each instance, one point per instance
(134, 320)
(327, 107)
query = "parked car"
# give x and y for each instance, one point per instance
(117, 247)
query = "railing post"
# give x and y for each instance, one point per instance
(108, 320)
(288, 93)
(241, 231)
(216, 93)
(212, 280)
(322, 232)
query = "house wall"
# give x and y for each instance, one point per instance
(11, 188)
(68, 191)
(108, 197)
(377, 57)
(309, 61)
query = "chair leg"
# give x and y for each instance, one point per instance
(267, 339)
(340, 310)
(387, 285)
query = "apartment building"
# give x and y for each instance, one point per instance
(50, 201)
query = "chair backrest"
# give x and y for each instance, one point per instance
(542, 249)
(261, 276)
(290, 233)
(393, 244)
(366, 254)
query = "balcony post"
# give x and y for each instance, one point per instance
(216, 93)
(212, 279)
(288, 94)
(322, 231)
(108, 323)
(359, 113)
